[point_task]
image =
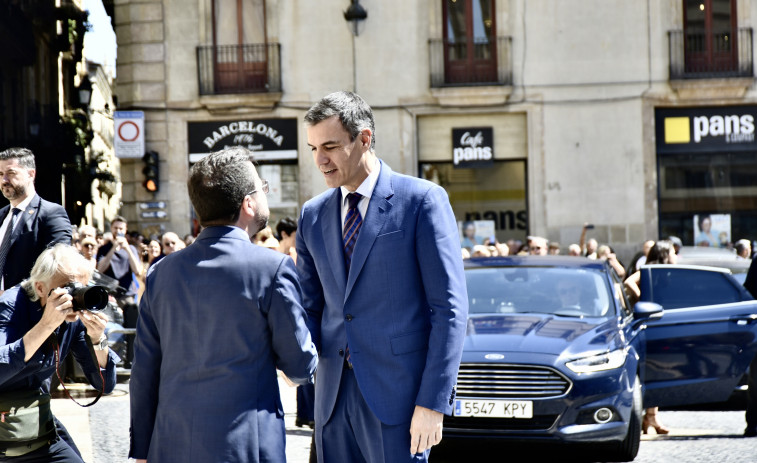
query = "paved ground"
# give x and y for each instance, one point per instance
(108, 420)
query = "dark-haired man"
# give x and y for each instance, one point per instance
(29, 224)
(216, 321)
(382, 275)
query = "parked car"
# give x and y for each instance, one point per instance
(555, 352)
(715, 257)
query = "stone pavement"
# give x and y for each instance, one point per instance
(115, 406)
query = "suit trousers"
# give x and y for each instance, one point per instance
(354, 434)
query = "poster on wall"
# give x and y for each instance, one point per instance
(475, 232)
(712, 230)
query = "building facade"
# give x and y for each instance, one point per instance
(536, 116)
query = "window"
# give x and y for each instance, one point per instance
(469, 41)
(711, 39)
(681, 288)
(240, 54)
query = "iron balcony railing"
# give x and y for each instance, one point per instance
(694, 55)
(251, 68)
(481, 61)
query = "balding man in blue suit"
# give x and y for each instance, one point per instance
(379, 260)
(216, 321)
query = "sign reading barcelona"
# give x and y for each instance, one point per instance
(270, 139)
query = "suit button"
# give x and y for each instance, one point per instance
(348, 317)
(341, 352)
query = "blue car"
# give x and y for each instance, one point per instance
(555, 351)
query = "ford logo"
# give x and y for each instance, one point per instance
(494, 356)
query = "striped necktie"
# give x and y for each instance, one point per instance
(352, 224)
(6, 245)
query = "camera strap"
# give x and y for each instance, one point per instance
(56, 349)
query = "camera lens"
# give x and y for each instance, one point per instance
(92, 298)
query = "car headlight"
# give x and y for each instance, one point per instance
(601, 362)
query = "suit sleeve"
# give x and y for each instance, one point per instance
(83, 356)
(441, 266)
(144, 383)
(295, 353)
(751, 279)
(312, 290)
(56, 227)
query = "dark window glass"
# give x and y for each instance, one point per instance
(675, 288)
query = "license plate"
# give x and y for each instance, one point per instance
(494, 408)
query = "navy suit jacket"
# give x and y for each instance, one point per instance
(403, 308)
(42, 224)
(216, 320)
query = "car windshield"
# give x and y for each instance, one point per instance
(569, 292)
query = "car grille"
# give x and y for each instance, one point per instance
(502, 381)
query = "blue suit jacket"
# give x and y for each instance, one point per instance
(216, 321)
(404, 306)
(42, 224)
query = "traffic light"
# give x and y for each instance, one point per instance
(151, 171)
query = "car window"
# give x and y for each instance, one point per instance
(676, 287)
(570, 292)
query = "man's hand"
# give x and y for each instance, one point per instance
(425, 429)
(58, 309)
(120, 242)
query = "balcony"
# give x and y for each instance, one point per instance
(695, 55)
(234, 69)
(474, 62)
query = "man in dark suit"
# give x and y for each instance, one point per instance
(384, 288)
(750, 283)
(29, 223)
(216, 321)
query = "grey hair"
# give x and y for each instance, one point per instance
(25, 157)
(353, 111)
(60, 259)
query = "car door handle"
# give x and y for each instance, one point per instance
(745, 319)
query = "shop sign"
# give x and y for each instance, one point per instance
(722, 128)
(270, 139)
(472, 147)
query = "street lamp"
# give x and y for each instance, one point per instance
(354, 14)
(85, 90)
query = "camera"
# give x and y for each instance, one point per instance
(92, 298)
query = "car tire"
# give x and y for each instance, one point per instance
(628, 448)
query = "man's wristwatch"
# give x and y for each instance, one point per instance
(101, 344)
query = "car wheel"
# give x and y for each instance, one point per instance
(628, 448)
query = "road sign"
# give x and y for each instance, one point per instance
(153, 214)
(152, 205)
(129, 137)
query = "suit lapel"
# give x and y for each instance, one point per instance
(331, 227)
(27, 217)
(378, 211)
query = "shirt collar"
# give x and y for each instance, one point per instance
(25, 203)
(366, 188)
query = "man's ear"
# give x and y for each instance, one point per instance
(365, 137)
(39, 288)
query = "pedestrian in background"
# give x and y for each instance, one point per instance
(217, 320)
(379, 260)
(662, 252)
(29, 223)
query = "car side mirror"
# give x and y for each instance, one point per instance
(645, 310)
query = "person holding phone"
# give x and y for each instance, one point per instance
(120, 260)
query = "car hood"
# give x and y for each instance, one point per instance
(540, 333)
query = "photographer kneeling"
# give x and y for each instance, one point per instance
(39, 323)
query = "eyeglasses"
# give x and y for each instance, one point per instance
(88, 245)
(264, 188)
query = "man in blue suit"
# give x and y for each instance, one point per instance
(29, 223)
(384, 288)
(216, 321)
